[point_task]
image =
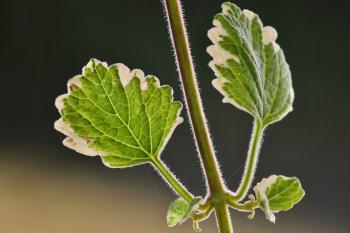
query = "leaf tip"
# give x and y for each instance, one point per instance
(73, 83)
(219, 55)
(124, 73)
(215, 33)
(226, 6)
(179, 120)
(269, 35)
(59, 102)
(93, 62)
(218, 83)
(62, 127)
(250, 15)
(138, 73)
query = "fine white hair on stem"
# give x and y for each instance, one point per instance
(183, 89)
(252, 159)
(165, 179)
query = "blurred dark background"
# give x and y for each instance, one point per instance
(46, 188)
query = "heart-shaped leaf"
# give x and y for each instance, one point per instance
(119, 114)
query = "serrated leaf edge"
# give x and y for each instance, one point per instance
(82, 145)
(220, 56)
(260, 191)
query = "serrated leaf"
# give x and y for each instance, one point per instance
(180, 210)
(278, 193)
(119, 114)
(250, 66)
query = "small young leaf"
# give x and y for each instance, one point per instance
(278, 193)
(250, 66)
(123, 116)
(180, 210)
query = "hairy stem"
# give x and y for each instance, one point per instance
(195, 109)
(252, 160)
(172, 181)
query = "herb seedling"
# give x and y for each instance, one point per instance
(126, 118)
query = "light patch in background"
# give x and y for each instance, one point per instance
(37, 197)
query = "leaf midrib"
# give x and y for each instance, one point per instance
(284, 191)
(116, 112)
(114, 139)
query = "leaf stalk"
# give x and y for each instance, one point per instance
(172, 180)
(251, 163)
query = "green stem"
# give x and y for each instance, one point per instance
(172, 180)
(252, 160)
(215, 183)
(223, 218)
(193, 101)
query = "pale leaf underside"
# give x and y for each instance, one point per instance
(250, 66)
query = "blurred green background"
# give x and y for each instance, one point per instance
(46, 188)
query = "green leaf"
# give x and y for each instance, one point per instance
(278, 193)
(119, 114)
(180, 210)
(250, 66)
